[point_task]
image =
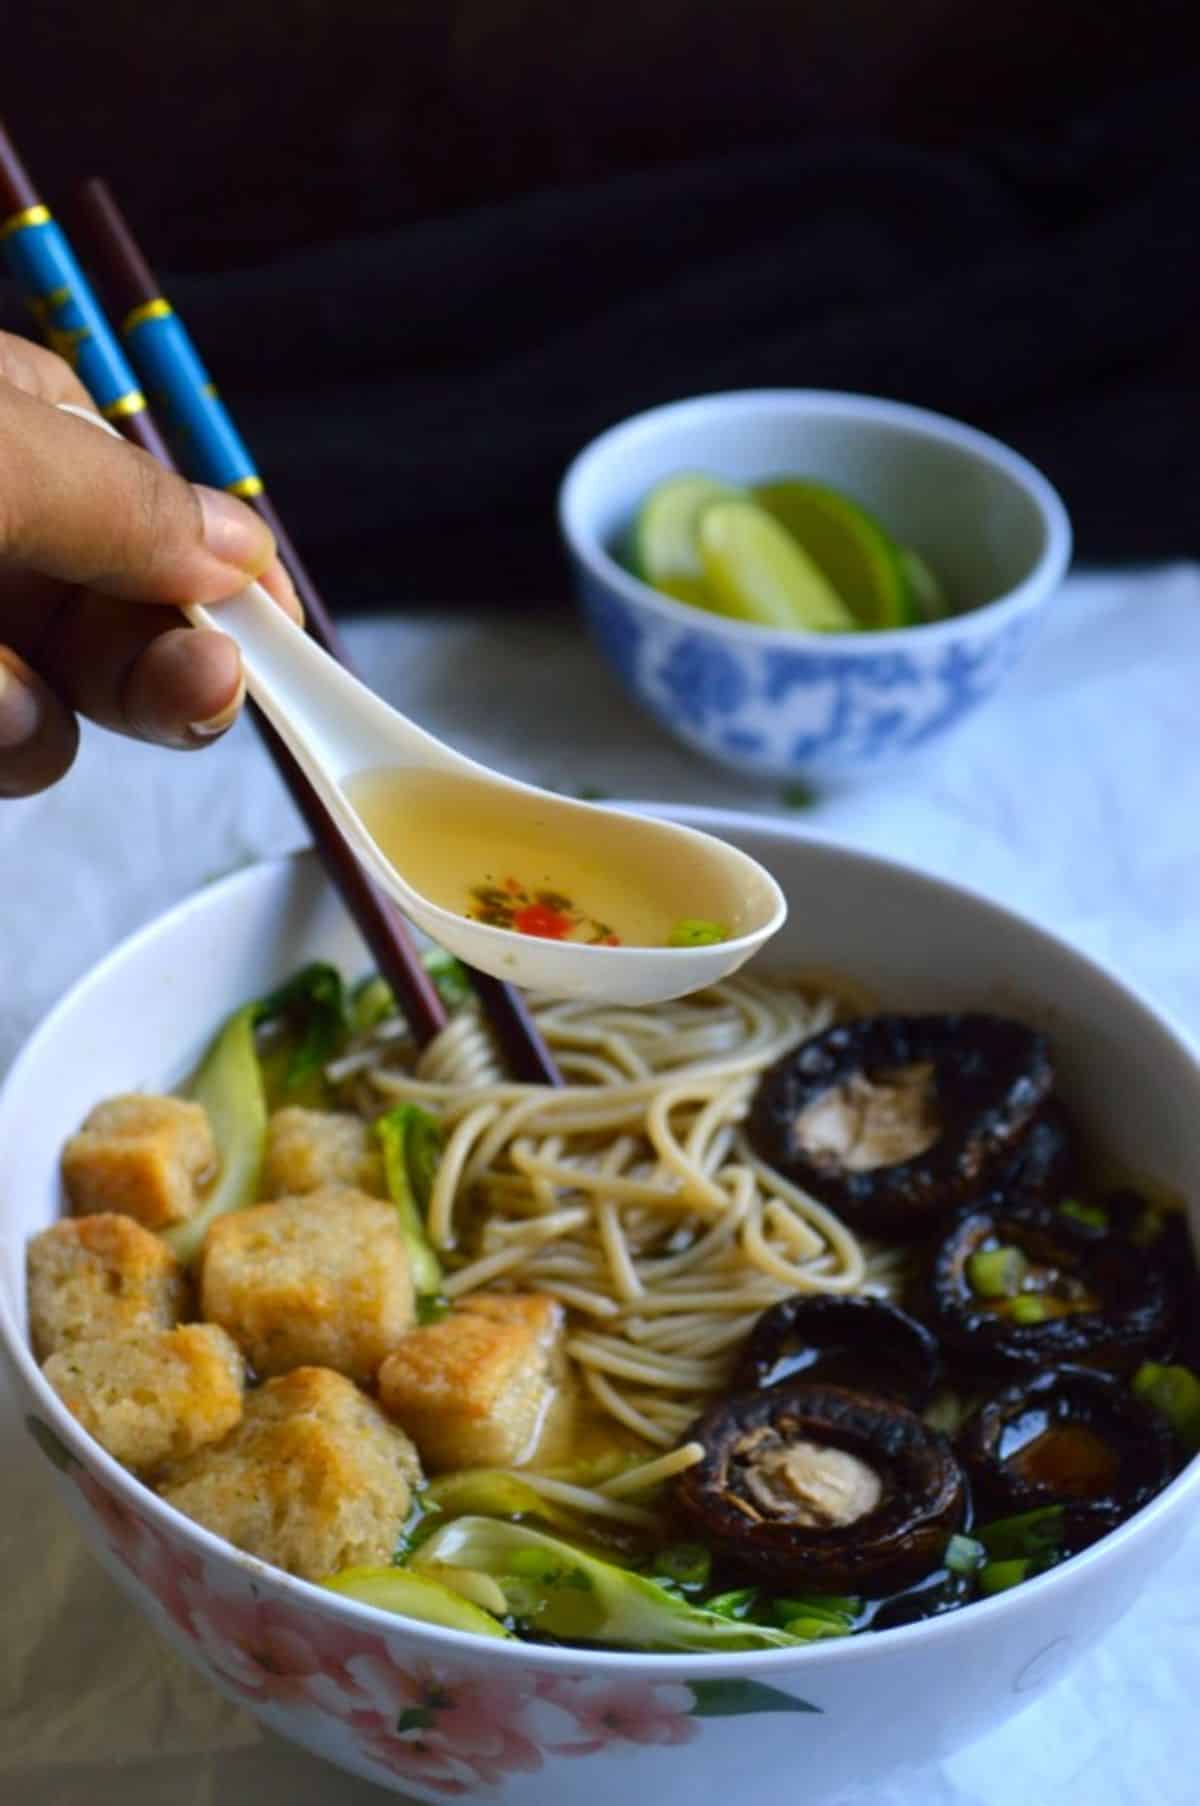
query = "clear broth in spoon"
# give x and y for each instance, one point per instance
(515, 861)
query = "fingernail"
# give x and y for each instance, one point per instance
(233, 533)
(20, 709)
(208, 730)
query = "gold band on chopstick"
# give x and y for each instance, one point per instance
(246, 487)
(158, 309)
(28, 216)
(133, 402)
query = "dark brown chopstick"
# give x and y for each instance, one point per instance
(130, 286)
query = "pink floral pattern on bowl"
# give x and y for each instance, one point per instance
(446, 1725)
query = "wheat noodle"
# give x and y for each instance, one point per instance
(630, 1193)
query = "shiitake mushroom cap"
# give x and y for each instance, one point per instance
(1165, 1234)
(1041, 1468)
(1044, 1164)
(890, 1545)
(1135, 1314)
(867, 1344)
(990, 1076)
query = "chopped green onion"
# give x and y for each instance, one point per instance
(997, 1272)
(687, 1564)
(999, 1576)
(694, 931)
(1175, 1392)
(371, 1002)
(1094, 1215)
(815, 1616)
(1029, 1308)
(736, 1604)
(1038, 1534)
(449, 977)
(816, 1605)
(964, 1555)
(813, 1630)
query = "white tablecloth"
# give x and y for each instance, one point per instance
(1074, 796)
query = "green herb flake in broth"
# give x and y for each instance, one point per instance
(1175, 1393)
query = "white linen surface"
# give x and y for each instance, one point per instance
(1074, 796)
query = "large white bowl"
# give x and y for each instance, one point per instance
(434, 1713)
(830, 708)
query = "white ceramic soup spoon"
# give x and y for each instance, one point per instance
(425, 819)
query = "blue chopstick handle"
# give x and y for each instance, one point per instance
(68, 315)
(210, 447)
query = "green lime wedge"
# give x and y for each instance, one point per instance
(929, 600)
(847, 544)
(755, 570)
(665, 545)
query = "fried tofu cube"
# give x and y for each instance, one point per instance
(308, 1150)
(313, 1479)
(142, 1155)
(319, 1281)
(153, 1396)
(100, 1276)
(474, 1389)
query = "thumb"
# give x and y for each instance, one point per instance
(85, 508)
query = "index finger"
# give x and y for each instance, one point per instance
(86, 509)
(40, 373)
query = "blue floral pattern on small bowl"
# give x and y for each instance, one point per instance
(819, 708)
(800, 711)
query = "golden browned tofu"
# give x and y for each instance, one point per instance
(153, 1396)
(474, 1389)
(142, 1155)
(314, 1478)
(310, 1149)
(318, 1281)
(100, 1276)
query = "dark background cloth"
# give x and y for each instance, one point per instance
(426, 270)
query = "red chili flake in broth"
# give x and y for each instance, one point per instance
(548, 914)
(547, 924)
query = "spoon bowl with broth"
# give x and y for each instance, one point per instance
(534, 888)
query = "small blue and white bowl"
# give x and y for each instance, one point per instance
(829, 707)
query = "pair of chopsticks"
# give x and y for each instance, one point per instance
(71, 321)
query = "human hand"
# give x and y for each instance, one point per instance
(99, 547)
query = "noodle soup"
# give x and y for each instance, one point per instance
(698, 1352)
